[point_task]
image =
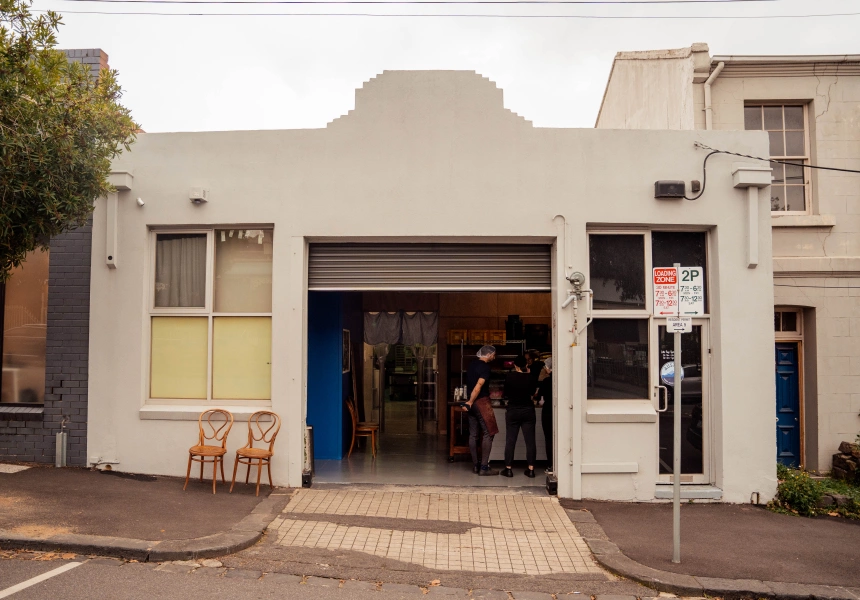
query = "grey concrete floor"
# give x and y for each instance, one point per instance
(416, 459)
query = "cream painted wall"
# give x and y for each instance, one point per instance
(820, 250)
(434, 156)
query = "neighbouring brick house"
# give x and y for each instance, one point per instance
(45, 343)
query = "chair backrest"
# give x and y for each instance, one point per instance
(265, 431)
(353, 417)
(215, 424)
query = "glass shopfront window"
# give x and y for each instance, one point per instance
(617, 359)
(25, 323)
(211, 329)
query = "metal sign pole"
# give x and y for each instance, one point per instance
(676, 463)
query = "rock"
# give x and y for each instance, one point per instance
(826, 501)
(211, 563)
(840, 500)
(849, 448)
(837, 473)
(841, 461)
(186, 563)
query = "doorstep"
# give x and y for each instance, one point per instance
(689, 492)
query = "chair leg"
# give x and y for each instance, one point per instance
(202, 460)
(351, 443)
(188, 473)
(259, 473)
(222, 470)
(248, 471)
(269, 468)
(373, 442)
(235, 466)
(214, 472)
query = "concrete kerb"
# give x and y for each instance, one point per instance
(610, 557)
(243, 534)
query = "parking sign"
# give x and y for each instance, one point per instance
(679, 293)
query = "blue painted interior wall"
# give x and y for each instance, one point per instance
(325, 377)
(329, 313)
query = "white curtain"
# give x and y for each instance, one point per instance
(180, 270)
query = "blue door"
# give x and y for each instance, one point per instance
(787, 405)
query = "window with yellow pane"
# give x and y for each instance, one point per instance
(211, 315)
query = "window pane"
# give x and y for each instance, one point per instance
(618, 358)
(794, 143)
(685, 247)
(772, 117)
(180, 270)
(692, 416)
(242, 357)
(617, 264)
(24, 328)
(778, 173)
(179, 357)
(777, 143)
(794, 117)
(777, 197)
(243, 270)
(794, 174)
(789, 321)
(794, 198)
(752, 118)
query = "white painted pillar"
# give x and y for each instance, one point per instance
(752, 177)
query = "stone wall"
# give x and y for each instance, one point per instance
(846, 463)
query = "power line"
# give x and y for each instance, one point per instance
(434, 2)
(771, 160)
(449, 15)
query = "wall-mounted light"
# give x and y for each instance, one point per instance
(198, 195)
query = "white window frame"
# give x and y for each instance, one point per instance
(792, 336)
(206, 311)
(807, 148)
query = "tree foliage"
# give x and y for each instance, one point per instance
(60, 128)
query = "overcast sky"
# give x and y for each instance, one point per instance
(192, 73)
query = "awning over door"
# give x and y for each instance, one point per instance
(429, 267)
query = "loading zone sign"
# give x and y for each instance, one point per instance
(679, 294)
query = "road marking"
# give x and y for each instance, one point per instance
(38, 579)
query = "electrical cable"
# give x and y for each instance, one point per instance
(497, 2)
(819, 287)
(451, 15)
(767, 160)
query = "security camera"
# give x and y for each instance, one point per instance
(140, 202)
(198, 195)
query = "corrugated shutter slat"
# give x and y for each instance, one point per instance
(429, 267)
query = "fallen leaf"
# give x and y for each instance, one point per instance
(69, 555)
(435, 582)
(833, 514)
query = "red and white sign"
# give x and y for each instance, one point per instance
(665, 291)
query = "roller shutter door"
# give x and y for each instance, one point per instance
(429, 267)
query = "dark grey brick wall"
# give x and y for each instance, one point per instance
(66, 361)
(31, 437)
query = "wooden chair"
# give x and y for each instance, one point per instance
(361, 430)
(217, 431)
(248, 455)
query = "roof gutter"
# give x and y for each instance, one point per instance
(709, 112)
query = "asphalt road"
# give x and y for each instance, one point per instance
(92, 580)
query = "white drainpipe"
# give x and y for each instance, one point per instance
(709, 112)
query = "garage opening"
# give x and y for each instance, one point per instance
(391, 330)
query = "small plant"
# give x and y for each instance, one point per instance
(797, 492)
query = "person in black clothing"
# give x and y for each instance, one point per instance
(520, 414)
(481, 417)
(545, 394)
(535, 365)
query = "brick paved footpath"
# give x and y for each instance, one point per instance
(499, 533)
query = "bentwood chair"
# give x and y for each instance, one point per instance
(363, 429)
(263, 426)
(215, 425)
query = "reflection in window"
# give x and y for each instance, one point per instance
(618, 359)
(617, 268)
(180, 270)
(25, 321)
(243, 270)
(692, 416)
(685, 247)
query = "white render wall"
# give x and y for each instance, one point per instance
(435, 156)
(821, 250)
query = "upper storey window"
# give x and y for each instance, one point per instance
(786, 125)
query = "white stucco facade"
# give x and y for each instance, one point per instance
(816, 252)
(433, 156)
